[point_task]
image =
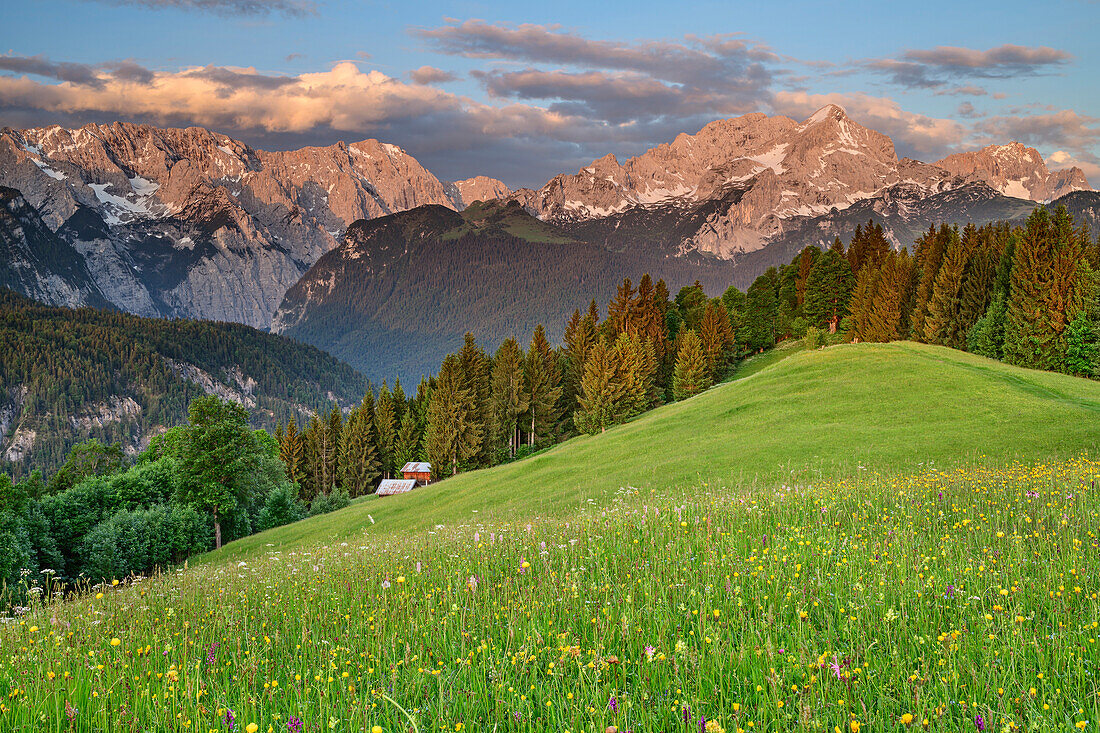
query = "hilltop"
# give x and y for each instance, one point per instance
(815, 415)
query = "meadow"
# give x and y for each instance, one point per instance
(864, 592)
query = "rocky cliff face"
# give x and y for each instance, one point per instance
(1016, 171)
(193, 223)
(780, 171)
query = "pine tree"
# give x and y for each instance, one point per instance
(690, 376)
(453, 435)
(717, 337)
(828, 290)
(601, 399)
(509, 396)
(976, 290)
(543, 380)
(385, 430)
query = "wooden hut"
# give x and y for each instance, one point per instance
(418, 471)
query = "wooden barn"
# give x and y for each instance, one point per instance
(418, 471)
(391, 486)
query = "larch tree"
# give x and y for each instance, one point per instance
(717, 338)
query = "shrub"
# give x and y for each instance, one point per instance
(814, 338)
(325, 503)
(282, 507)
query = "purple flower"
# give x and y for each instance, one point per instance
(212, 653)
(294, 725)
(612, 704)
(950, 592)
(702, 724)
(687, 714)
(229, 718)
(979, 722)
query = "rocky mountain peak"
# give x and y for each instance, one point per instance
(1016, 170)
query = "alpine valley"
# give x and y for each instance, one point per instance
(359, 250)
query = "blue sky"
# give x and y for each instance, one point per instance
(524, 91)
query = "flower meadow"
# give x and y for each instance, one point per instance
(958, 600)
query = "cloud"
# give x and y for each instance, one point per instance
(291, 8)
(1062, 129)
(41, 66)
(935, 67)
(722, 73)
(1087, 162)
(915, 135)
(968, 90)
(431, 75)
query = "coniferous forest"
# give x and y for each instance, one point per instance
(1027, 295)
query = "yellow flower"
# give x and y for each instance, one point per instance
(252, 728)
(907, 718)
(116, 641)
(854, 725)
(376, 729)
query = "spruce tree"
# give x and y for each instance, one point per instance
(862, 305)
(829, 290)
(885, 322)
(476, 370)
(580, 335)
(291, 452)
(453, 434)
(620, 311)
(407, 447)
(601, 400)
(509, 396)
(717, 337)
(761, 309)
(543, 381)
(690, 376)
(929, 254)
(359, 465)
(942, 324)
(385, 430)
(637, 369)
(806, 259)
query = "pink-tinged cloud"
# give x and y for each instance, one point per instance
(431, 75)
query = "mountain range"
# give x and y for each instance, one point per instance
(360, 250)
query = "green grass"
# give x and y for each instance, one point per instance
(837, 539)
(812, 415)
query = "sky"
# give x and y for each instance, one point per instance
(524, 91)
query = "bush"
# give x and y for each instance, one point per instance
(282, 507)
(815, 338)
(325, 503)
(799, 326)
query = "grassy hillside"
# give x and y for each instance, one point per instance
(815, 415)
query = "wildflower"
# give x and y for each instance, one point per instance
(649, 653)
(251, 728)
(116, 641)
(294, 725)
(230, 719)
(612, 704)
(979, 722)
(907, 718)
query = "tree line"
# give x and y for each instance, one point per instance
(1028, 295)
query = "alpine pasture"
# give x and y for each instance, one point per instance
(867, 537)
